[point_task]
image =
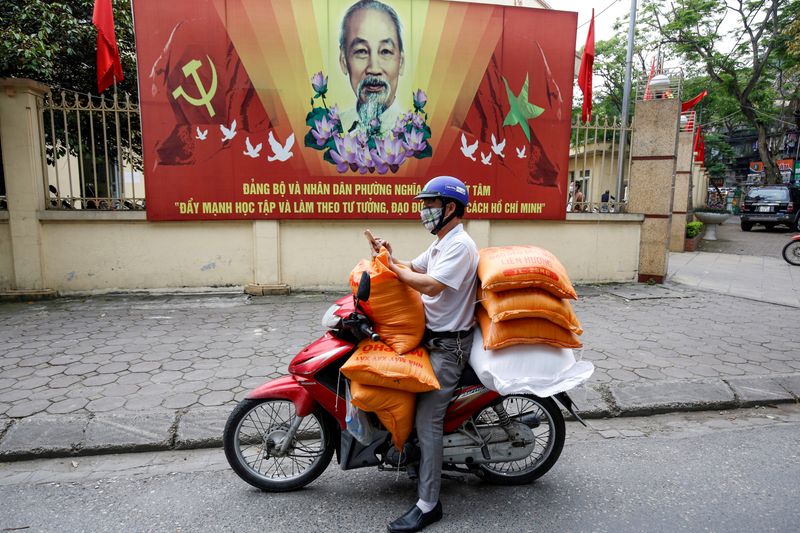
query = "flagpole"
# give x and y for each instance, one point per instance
(626, 101)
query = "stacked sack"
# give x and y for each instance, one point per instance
(386, 375)
(385, 383)
(524, 295)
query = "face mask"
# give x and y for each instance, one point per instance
(430, 217)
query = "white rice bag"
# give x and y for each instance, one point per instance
(528, 368)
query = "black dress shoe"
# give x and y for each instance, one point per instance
(415, 519)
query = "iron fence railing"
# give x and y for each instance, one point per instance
(91, 151)
(666, 83)
(594, 165)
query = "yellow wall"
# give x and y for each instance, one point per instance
(106, 255)
(103, 254)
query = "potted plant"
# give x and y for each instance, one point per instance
(711, 216)
(694, 231)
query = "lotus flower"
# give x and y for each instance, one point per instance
(342, 165)
(420, 99)
(414, 141)
(319, 83)
(417, 121)
(392, 152)
(323, 130)
(333, 113)
(347, 146)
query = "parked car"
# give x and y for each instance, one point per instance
(771, 205)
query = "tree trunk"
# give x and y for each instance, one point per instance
(772, 173)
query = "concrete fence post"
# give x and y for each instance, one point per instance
(652, 181)
(22, 164)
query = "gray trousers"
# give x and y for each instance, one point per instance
(431, 407)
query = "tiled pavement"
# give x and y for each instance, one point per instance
(117, 369)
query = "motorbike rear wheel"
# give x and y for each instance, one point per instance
(791, 252)
(254, 434)
(544, 417)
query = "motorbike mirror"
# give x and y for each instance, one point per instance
(363, 287)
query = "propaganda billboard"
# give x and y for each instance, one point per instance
(330, 109)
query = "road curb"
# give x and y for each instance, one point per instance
(202, 427)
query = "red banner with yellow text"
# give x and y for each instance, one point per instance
(259, 109)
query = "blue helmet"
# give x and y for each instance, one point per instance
(445, 187)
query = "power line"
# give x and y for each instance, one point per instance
(598, 14)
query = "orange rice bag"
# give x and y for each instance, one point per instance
(523, 331)
(513, 267)
(395, 308)
(374, 363)
(529, 303)
(394, 408)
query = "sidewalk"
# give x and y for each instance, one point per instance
(740, 263)
(126, 373)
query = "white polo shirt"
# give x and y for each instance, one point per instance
(453, 261)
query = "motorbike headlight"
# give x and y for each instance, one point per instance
(330, 320)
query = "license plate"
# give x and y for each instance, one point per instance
(764, 209)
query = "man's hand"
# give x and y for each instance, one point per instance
(376, 243)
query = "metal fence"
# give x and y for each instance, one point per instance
(594, 165)
(91, 151)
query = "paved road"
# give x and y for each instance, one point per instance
(758, 242)
(728, 471)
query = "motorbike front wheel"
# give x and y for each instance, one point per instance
(791, 252)
(544, 418)
(255, 442)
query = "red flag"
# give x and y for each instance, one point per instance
(648, 94)
(585, 73)
(686, 106)
(699, 147)
(554, 99)
(109, 66)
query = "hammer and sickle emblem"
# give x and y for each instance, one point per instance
(190, 69)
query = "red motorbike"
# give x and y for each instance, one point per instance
(791, 252)
(284, 434)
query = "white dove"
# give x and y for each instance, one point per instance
(228, 133)
(468, 150)
(486, 159)
(282, 152)
(252, 152)
(202, 134)
(521, 152)
(498, 148)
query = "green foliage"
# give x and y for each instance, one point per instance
(693, 229)
(54, 42)
(741, 64)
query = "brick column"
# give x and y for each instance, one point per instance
(652, 181)
(22, 165)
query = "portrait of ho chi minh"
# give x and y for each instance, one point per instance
(371, 55)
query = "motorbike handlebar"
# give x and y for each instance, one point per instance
(368, 331)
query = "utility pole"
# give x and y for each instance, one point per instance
(626, 101)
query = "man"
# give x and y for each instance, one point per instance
(578, 198)
(446, 275)
(371, 56)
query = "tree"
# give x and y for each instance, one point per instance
(54, 42)
(691, 29)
